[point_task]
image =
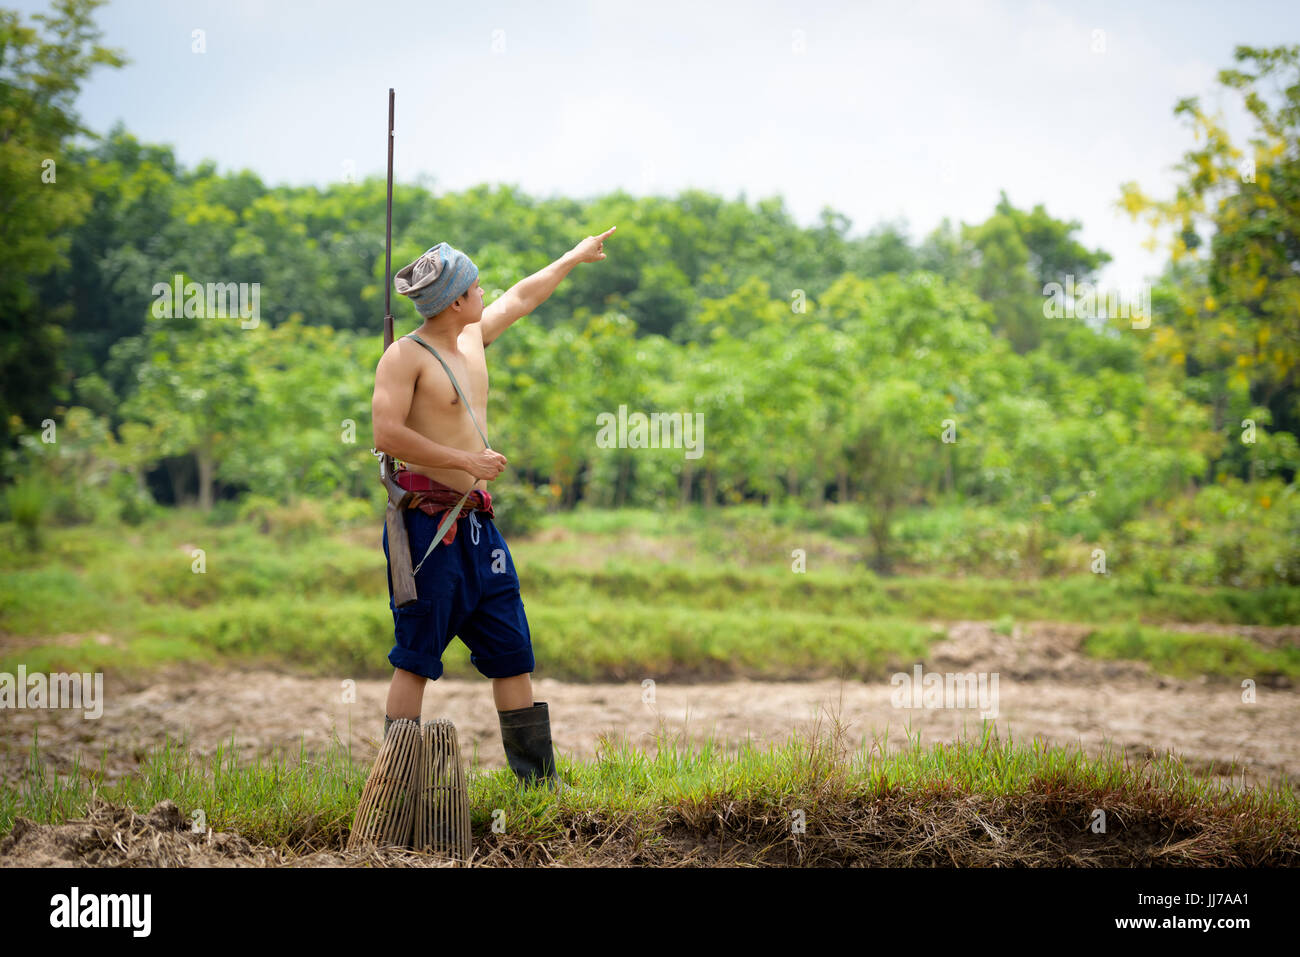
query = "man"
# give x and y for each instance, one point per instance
(467, 585)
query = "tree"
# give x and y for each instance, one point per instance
(1012, 255)
(1234, 330)
(196, 392)
(41, 69)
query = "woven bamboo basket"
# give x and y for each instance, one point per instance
(389, 801)
(442, 821)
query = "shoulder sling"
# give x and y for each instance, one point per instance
(455, 512)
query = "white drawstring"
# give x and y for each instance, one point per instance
(474, 528)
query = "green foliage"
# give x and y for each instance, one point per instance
(809, 385)
(302, 519)
(1229, 334)
(1231, 533)
(869, 372)
(25, 507)
(1188, 655)
(83, 472)
(1011, 257)
(42, 68)
(518, 505)
(618, 600)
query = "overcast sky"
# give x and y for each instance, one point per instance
(880, 110)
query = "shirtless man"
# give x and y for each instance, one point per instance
(467, 585)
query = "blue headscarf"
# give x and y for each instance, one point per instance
(437, 279)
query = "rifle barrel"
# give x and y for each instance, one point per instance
(388, 235)
(386, 460)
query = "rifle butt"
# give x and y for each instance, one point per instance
(402, 573)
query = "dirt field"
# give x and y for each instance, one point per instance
(1046, 687)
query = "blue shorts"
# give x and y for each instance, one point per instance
(467, 589)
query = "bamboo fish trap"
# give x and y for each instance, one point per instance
(442, 819)
(390, 799)
(416, 795)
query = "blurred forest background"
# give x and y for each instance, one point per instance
(828, 366)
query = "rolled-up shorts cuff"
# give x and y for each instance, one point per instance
(506, 665)
(426, 665)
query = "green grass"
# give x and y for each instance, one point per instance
(304, 802)
(1187, 655)
(602, 602)
(270, 799)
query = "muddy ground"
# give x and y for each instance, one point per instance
(1046, 687)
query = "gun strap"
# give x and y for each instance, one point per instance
(454, 514)
(455, 384)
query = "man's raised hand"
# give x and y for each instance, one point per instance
(592, 249)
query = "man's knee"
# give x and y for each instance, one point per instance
(524, 675)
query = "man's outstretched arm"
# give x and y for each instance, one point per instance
(527, 294)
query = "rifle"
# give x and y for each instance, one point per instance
(399, 541)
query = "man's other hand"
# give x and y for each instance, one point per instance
(486, 464)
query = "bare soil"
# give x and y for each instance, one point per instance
(1046, 687)
(113, 836)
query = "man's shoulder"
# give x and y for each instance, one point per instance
(401, 356)
(395, 350)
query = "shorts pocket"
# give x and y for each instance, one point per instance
(411, 621)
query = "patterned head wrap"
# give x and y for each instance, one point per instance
(437, 279)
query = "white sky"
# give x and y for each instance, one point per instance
(893, 110)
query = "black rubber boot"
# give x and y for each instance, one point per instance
(526, 735)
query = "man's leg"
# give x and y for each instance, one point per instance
(405, 697)
(511, 694)
(422, 630)
(501, 649)
(525, 730)
(406, 691)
